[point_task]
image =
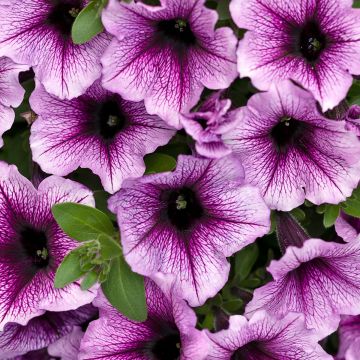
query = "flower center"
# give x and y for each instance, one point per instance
(63, 14)
(183, 208)
(167, 348)
(312, 41)
(34, 244)
(177, 31)
(110, 119)
(287, 132)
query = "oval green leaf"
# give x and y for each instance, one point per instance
(87, 24)
(158, 163)
(125, 290)
(82, 223)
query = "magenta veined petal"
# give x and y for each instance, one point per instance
(316, 43)
(166, 55)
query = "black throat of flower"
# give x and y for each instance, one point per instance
(167, 347)
(175, 32)
(311, 41)
(289, 231)
(34, 246)
(287, 132)
(63, 14)
(109, 118)
(183, 208)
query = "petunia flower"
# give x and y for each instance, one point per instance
(349, 338)
(208, 124)
(188, 221)
(68, 346)
(166, 55)
(169, 332)
(38, 33)
(99, 130)
(32, 246)
(314, 42)
(353, 119)
(348, 227)
(42, 331)
(11, 93)
(264, 337)
(292, 152)
(316, 278)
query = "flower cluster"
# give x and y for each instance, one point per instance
(187, 179)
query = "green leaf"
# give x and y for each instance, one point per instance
(352, 208)
(69, 270)
(87, 23)
(89, 280)
(244, 261)
(157, 163)
(299, 214)
(352, 205)
(109, 247)
(233, 306)
(223, 10)
(330, 215)
(125, 290)
(82, 223)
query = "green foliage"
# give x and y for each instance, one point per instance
(244, 261)
(69, 270)
(99, 259)
(82, 223)
(352, 205)
(354, 93)
(157, 163)
(88, 23)
(223, 10)
(125, 290)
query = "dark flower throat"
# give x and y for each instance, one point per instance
(167, 348)
(312, 41)
(176, 31)
(287, 133)
(34, 244)
(109, 118)
(183, 208)
(63, 14)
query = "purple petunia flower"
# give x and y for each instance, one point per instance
(99, 131)
(32, 246)
(11, 93)
(313, 42)
(292, 152)
(317, 278)
(68, 346)
(353, 119)
(38, 33)
(167, 54)
(349, 336)
(42, 331)
(169, 332)
(208, 124)
(348, 227)
(188, 221)
(264, 338)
